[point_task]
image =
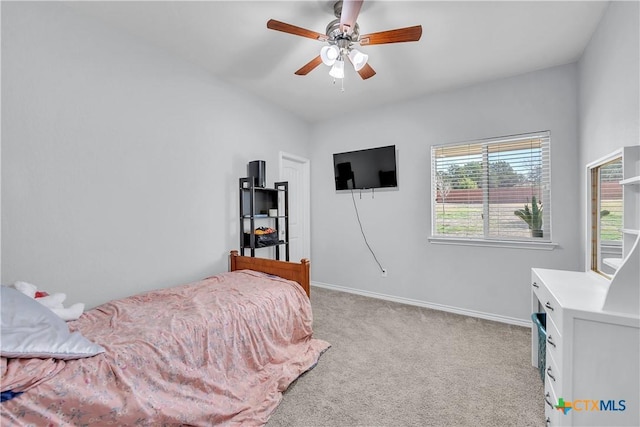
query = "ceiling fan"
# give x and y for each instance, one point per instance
(341, 34)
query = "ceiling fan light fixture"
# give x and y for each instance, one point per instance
(329, 54)
(337, 71)
(358, 59)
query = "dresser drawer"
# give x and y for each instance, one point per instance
(550, 412)
(554, 342)
(547, 301)
(552, 375)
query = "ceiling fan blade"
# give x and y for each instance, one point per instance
(366, 72)
(309, 66)
(408, 34)
(272, 24)
(349, 15)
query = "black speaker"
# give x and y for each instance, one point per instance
(257, 170)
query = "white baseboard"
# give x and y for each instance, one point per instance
(472, 313)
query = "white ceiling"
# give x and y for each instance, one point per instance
(462, 43)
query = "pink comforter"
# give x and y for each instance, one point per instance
(219, 351)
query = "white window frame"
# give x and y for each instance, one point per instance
(544, 243)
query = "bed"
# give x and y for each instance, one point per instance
(219, 351)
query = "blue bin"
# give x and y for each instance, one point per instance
(540, 320)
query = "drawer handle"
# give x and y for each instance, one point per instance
(548, 421)
(550, 341)
(548, 305)
(535, 285)
(546, 399)
(549, 373)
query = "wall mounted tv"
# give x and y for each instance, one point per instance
(364, 169)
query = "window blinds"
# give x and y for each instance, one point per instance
(479, 186)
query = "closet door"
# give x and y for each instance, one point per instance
(295, 170)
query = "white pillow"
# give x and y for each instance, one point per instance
(29, 329)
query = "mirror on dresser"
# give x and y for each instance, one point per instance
(606, 208)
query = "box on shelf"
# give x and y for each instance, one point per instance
(262, 239)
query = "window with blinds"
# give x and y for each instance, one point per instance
(496, 189)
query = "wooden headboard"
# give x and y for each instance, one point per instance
(296, 271)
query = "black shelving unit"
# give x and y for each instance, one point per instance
(255, 204)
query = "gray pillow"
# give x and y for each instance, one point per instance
(29, 329)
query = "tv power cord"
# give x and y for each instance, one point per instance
(355, 206)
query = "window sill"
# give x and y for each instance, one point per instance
(544, 246)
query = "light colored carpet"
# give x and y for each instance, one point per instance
(393, 364)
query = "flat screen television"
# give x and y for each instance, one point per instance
(364, 169)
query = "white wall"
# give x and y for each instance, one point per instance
(397, 223)
(609, 96)
(0, 167)
(120, 162)
(120, 165)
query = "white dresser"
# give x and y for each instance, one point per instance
(592, 355)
